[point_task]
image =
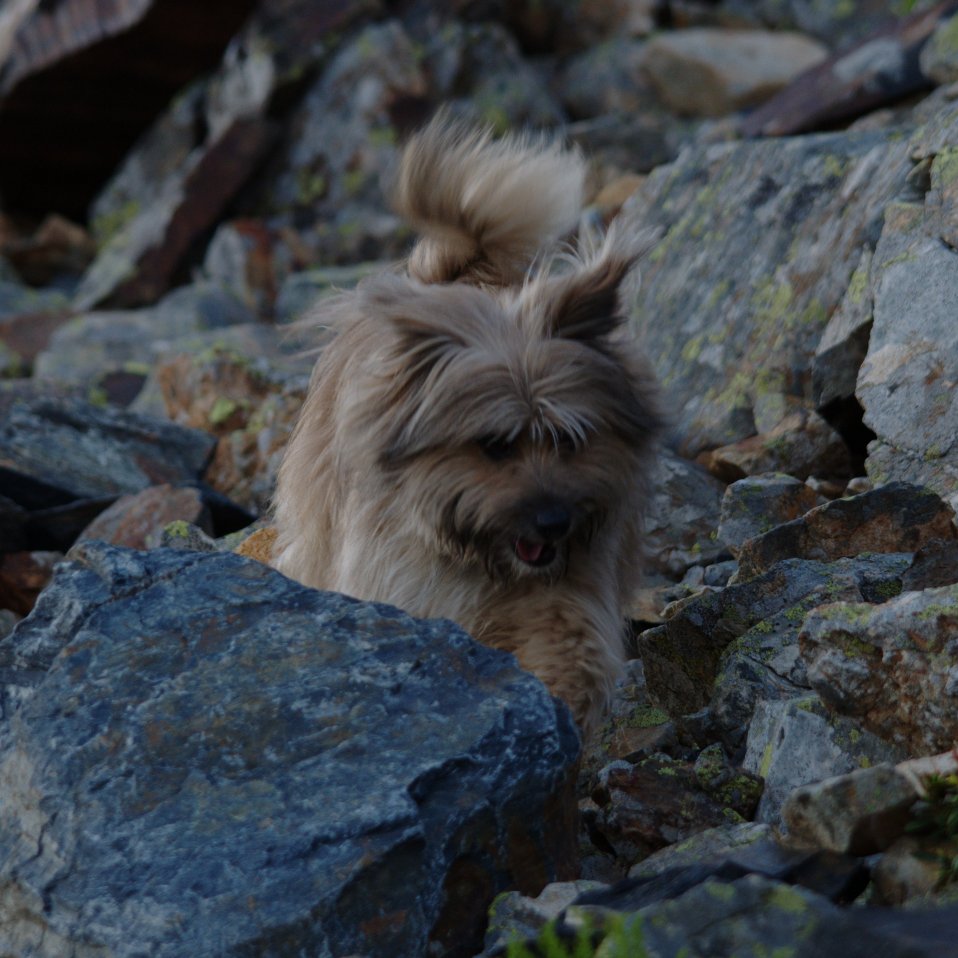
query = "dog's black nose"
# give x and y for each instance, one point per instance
(552, 522)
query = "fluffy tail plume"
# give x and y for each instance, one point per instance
(484, 208)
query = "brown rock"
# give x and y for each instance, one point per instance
(897, 517)
(23, 576)
(133, 520)
(882, 68)
(58, 246)
(250, 406)
(258, 546)
(658, 802)
(800, 444)
(860, 813)
(894, 666)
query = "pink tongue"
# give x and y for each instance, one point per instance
(528, 551)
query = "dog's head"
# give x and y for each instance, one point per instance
(512, 421)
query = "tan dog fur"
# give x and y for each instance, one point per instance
(476, 439)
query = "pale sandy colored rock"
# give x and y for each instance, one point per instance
(703, 72)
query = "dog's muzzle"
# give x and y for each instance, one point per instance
(551, 523)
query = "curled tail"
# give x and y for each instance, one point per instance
(484, 208)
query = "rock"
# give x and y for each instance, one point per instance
(801, 444)
(635, 728)
(56, 450)
(757, 504)
(481, 70)
(253, 260)
(608, 78)
(28, 318)
(73, 45)
(135, 521)
(682, 517)
(251, 405)
(839, 25)
(712, 845)
(753, 915)
(935, 564)
(280, 819)
(182, 176)
(906, 384)
(683, 657)
(516, 916)
(23, 575)
(161, 219)
(301, 290)
(893, 667)
(882, 68)
(844, 343)
(342, 137)
(702, 72)
(183, 535)
(939, 56)
(8, 619)
(659, 801)
(761, 240)
(731, 852)
(897, 517)
(911, 868)
(632, 142)
(862, 812)
(55, 254)
(99, 347)
(796, 742)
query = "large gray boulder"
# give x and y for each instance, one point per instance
(760, 242)
(202, 757)
(907, 383)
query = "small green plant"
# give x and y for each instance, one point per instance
(620, 937)
(937, 817)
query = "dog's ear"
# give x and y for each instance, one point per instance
(584, 304)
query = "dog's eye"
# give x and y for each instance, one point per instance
(497, 448)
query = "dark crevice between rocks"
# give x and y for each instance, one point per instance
(846, 416)
(57, 151)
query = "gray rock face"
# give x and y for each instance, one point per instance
(753, 506)
(761, 240)
(682, 517)
(793, 743)
(81, 451)
(683, 657)
(756, 916)
(907, 382)
(219, 761)
(95, 344)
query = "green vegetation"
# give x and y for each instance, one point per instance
(620, 937)
(936, 816)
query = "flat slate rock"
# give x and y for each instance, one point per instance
(202, 757)
(896, 517)
(55, 450)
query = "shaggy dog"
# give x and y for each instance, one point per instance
(476, 440)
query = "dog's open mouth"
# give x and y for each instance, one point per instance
(535, 553)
